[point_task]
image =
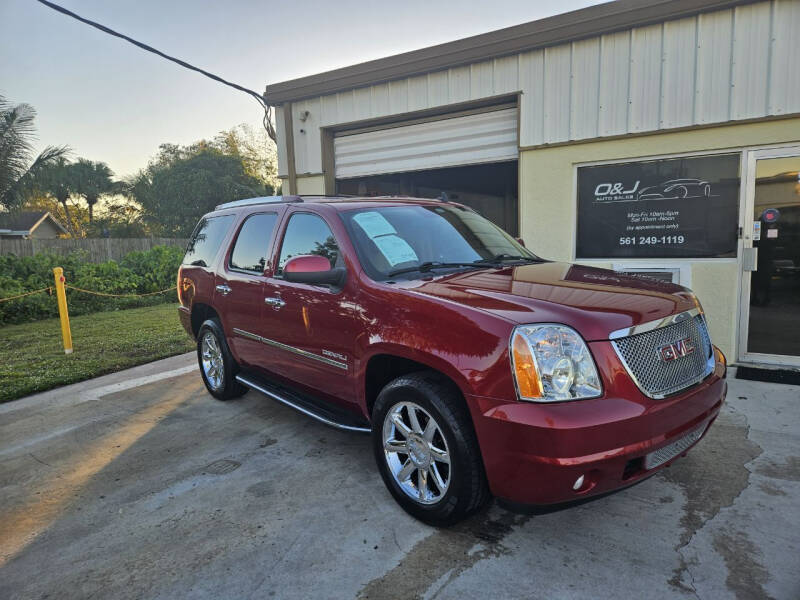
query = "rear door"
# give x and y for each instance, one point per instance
(312, 328)
(239, 289)
(200, 261)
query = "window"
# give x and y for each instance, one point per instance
(668, 208)
(206, 240)
(308, 234)
(252, 243)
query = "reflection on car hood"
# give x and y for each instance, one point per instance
(593, 301)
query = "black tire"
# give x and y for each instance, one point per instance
(440, 399)
(227, 388)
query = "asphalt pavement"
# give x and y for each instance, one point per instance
(140, 485)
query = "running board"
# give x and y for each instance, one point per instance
(303, 404)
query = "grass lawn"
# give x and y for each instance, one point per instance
(32, 355)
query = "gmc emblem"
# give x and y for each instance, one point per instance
(676, 350)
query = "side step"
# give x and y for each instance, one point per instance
(340, 419)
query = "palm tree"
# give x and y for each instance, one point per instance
(18, 167)
(94, 180)
(59, 179)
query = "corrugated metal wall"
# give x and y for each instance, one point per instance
(734, 64)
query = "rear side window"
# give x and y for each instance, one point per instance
(252, 243)
(206, 240)
(308, 234)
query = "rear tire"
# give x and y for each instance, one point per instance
(426, 449)
(217, 366)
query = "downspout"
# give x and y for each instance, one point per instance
(288, 128)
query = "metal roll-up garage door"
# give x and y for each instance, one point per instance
(484, 137)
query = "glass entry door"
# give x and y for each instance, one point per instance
(771, 305)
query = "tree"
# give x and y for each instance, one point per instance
(257, 151)
(59, 179)
(93, 179)
(18, 167)
(78, 215)
(118, 218)
(183, 183)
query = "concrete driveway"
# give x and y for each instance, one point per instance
(140, 485)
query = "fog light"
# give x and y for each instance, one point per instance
(578, 483)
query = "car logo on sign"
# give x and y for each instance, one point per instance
(676, 350)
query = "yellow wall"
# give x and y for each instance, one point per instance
(547, 204)
(310, 186)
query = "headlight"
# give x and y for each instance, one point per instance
(551, 363)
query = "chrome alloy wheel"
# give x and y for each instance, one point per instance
(416, 453)
(213, 365)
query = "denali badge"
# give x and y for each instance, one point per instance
(330, 354)
(676, 350)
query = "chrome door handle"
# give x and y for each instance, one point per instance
(275, 302)
(223, 289)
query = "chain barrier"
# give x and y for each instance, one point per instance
(49, 290)
(77, 289)
(60, 289)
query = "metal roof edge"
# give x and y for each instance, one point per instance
(566, 27)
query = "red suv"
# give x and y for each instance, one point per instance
(476, 366)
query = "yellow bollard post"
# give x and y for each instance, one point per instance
(61, 295)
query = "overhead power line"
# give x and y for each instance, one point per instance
(267, 108)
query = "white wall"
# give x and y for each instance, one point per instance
(727, 65)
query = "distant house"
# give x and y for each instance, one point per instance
(30, 225)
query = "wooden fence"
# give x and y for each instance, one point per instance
(98, 249)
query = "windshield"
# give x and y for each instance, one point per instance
(413, 239)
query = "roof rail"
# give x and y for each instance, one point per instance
(260, 200)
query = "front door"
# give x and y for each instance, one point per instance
(311, 328)
(770, 320)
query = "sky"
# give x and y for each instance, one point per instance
(112, 102)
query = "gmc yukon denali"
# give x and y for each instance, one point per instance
(477, 367)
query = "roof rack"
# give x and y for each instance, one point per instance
(260, 200)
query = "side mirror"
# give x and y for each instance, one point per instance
(313, 270)
(521, 242)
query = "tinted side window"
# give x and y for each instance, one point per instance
(251, 246)
(308, 234)
(206, 240)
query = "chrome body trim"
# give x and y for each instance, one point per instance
(656, 324)
(255, 386)
(247, 334)
(675, 448)
(298, 351)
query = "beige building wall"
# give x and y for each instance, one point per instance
(548, 205)
(306, 186)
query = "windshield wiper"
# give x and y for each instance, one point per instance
(499, 258)
(426, 267)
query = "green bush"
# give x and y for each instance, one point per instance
(137, 273)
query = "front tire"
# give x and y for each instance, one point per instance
(217, 366)
(426, 449)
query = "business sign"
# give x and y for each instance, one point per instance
(671, 208)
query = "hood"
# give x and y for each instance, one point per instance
(592, 301)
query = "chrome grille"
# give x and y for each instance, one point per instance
(670, 451)
(657, 378)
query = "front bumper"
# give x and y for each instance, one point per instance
(535, 453)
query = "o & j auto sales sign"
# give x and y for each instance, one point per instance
(669, 208)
